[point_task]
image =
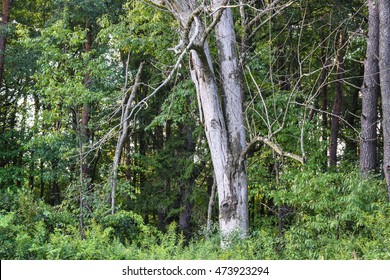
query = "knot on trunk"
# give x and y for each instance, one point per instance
(228, 207)
(214, 124)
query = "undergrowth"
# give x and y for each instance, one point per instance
(333, 216)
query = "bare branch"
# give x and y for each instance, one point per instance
(218, 14)
(273, 145)
(328, 113)
(143, 102)
(268, 122)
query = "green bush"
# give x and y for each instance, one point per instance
(331, 216)
(335, 216)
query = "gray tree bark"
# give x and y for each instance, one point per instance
(122, 134)
(370, 92)
(223, 119)
(232, 89)
(384, 68)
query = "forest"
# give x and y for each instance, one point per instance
(199, 129)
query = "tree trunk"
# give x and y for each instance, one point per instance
(122, 135)
(232, 88)
(370, 92)
(322, 84)
(3, 36)
(188, 184)
(338, 102)
(384, 69)
(211, 205)
(351, 145)
(224, 125)
(86, 116)
(84, 142)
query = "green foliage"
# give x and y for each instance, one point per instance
(126, 226)
(318, 227)
(296, 212)
(334, 216)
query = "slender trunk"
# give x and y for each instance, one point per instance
(322, 83)
(338, 102)
(351, 145)
(384, 69)
(84, 131)
(41, 183)
(186, 206)
(370, 92)
(158, 145)
(3, 36)
(128, 159)
(86, 116)
(188, 184)
(56, 199)
(324, 117)
(81, 183)
(37, 107)
(211, 204)
(123, 132)
(84, 142)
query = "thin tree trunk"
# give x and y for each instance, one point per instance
(128, 159)
(56, 199)
(338, 102)
(3, 36)
(322, 83)
(122, 134)
(86, 116)
(211, 204)
(351, 145)
(188, 184)
(84, 141)
(384, 68)
(370, 92)
(37, 107)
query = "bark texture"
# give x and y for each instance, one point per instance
(384, 68)
(338, 103)
(3, 36)
(370, 92)
(232, 89)
(222, 117)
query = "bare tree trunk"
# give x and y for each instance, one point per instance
(123, 132)
(384, 68)
(225, 168)
(338, 102)
(223, 121)
(232, 88)
(370, 92)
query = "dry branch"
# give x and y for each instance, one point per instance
(273, 145)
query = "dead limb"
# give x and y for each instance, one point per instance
(273, 145)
